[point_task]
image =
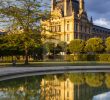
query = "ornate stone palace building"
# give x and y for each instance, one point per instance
(70, 21)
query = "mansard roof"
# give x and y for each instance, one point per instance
(100, 29)
(72, 5)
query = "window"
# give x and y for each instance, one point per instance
(55, 28)
(67, 84)
(59, 37)
(89, 30)
(59, 28)
(81, 36)
(85, 29)
(68, 26)
(50, 28)
(68, 37)
(76, 27)
(76, 35)
(59, 92)
(81, 28)
(67, 93)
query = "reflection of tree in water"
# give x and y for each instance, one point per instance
(77, 79)
(49, 87)
(23, 88)
(94, 79)
(107, 79)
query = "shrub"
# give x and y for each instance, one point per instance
(104, 57)
(69, 58)
(88, 57)
(76, 57)
(94, 45)
(76, 46)
(92, 57)
(82, 57)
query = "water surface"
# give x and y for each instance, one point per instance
(67, 86)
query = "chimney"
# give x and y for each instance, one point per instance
(81, 6)
(65, 7)
(53, 3)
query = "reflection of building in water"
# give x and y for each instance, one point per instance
(57, 90)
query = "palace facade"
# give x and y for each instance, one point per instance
(69, 21)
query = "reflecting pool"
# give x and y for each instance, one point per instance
(67, 86)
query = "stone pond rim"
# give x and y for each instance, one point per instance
(17, 72)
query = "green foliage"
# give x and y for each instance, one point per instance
(62, 45)
(94, 45)
(49, 47)
(63, 77)
(107, 80)
(76, 46)
(104, 57)
(94, 79)
(107, 43)
(38, 53)
(82, 57)
(9, 45)
(88, 57)
(76, 57)
(49, 77)
(69, 58)
(92, 57)
(24, 19)
(17, 87)
(76, 78)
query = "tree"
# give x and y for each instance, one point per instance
(6, 45)
(94, 45)
(76, 46)
(63, 46)
(49, 46)
(107, 43)
(24, 15)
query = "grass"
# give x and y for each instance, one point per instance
(50, 64)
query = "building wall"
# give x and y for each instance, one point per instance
(71, 17)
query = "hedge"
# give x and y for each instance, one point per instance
(88, 57)
(104, 57)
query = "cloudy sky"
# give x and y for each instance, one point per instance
(100, 11)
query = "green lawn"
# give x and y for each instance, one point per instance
(43, 64)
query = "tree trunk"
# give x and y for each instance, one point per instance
(26, 56)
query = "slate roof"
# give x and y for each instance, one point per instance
(72, 5)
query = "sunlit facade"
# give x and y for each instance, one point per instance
(69, 21)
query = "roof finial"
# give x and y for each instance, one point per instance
(91, 19)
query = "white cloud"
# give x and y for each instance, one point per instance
(102, 22)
